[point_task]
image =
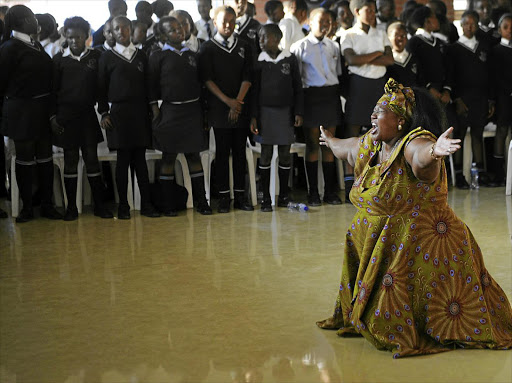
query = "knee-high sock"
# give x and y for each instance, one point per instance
(284, 177)
(70, 181)
(45, 179)
(198, 190)
(329, 169)
(265, 181)
(24, 173)
(312, 174)
(97, 188)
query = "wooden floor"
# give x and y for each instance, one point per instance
(224, 298)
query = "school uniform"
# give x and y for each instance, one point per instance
(75, 89)
(429, 51)
(292, 31)
(193, 43)
(174, 79)
(278, 98)
(103, 47)
(247, 29)
(488, 33)
(122, 82)
(501, 62)
(205, 29)
(97, 37)
(366, 81)
(51, 48)
(405, 69)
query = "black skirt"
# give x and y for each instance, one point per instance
(26, 118)
(180, 129)
(363, 95)
(275, 126)
(322, 106)
(81, 130)
(131, 126)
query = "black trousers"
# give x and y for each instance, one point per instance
(230, 141)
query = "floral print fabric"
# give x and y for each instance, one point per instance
(413, 279)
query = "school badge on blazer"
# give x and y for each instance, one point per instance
(192, 61)
(251, 33)
(414, 68)
(483, 56)
(140, 67)
(241, 52)
(285, 69)
(92, 64)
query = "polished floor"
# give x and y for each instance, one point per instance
(224, 298)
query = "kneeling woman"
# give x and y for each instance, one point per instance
(413, 279)
(178, 124)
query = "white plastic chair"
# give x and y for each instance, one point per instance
(508, 188)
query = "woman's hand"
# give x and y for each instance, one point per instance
(254, 126)
(325, 136)
(106, 122)
(445, 145)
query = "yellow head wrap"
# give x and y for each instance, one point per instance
(398, 98)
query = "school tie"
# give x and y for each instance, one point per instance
(208, 30)
(323, 55)
(225, 43)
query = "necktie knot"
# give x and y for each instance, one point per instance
(225, 43)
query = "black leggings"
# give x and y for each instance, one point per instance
(32, 150)
(90, 156)
(267, 152)
(169, 159)
(135, 157)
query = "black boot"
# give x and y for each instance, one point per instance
(168, 197)
(284, 189)
(460, 180)
(224, 203)
(499, 171)
(45, 179)
(24, 180)
(146, 207)
(70, 182)
(199, 194)
(97, 188)
(266, 203)
(312, 174)
(241, 202)
(330, 195)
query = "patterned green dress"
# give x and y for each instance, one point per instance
(413, 279)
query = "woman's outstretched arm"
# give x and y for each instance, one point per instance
(344, 149)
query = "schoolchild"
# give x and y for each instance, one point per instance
(467, 73)
(295, 14)
(47, 28)
(191, 41)
(178, 125)
(110, 40)
(115, 8)
(122, 82)
(26, 86)
(225, 64)
(405, 69)
(74, 123)
(487, 30)
(278, 106)
(204, 26)
(501, 62)
(246, 27)
(319, 62)
(274, 10)
(367, 51)
(139, 34)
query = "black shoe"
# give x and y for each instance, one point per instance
(332, 198)
(149, 210)
(461, 183)
(3, 214)
(103, 212)
(170, 213)
(242, 204)
(283, 201)
(123, 211)
(224, 205)
(50, 212)
(25, 215)
(266, 205)
(203, 208)
(314, 199)
(71, 214)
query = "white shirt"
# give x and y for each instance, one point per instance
(220, 40)
(192, 43)
(469, 43)
(363, 43)
(106, 46)
(292, 31)
(202, 29)
(505, 42)
(319, 61)
(22, 37)
(126, 52)
(401, 57)
(150, 29)
(67, 53)
(424, 33)
(51, 48)
(264, 56)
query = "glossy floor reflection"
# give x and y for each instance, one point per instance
(224, 298)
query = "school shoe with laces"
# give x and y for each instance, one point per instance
(148, 210)
(332, 198)
(460, 182)
(314, 199)
(224, 203)
(70, 184)
(97, 188)
(266, 203)
(241, 202)
(25, 215)
(199, 194)
(123, 211)
(168, 197)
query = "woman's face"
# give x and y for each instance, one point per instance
(506, 29)
(225, 24)
(268, 42)
(173, 32)
(384, 124)
(122, 32)
(320, 25)
(398, 38)
(76, 39)
(366, 14)
(345, 17)
(431, 23)
(185, 24)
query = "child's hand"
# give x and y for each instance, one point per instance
(57, 129)
(235, 104)
(298, 121)
(233, 116)
(460, 107)
(106, 122)
(254, 126)
(445, 97)
(492, 109)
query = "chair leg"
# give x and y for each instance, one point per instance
(15, 192)
(508, 189)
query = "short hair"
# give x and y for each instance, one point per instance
(440, 6)
(162, 8)
(271, 6)
(123, 19)
(396, 25)
(339, 4)
(315, 12)
(77, 22)
(358, 4)
(271, 30)
(114, 3)
(137, 23)
(419, 16)
(166, 19)
(301, 5)
(14, 19)
(503, 17)
(223, 8)
(47, 24)
(470, 13)
(182, 13)
(4, 9)
(145, 7)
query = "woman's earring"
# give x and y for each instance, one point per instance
(399, 127)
